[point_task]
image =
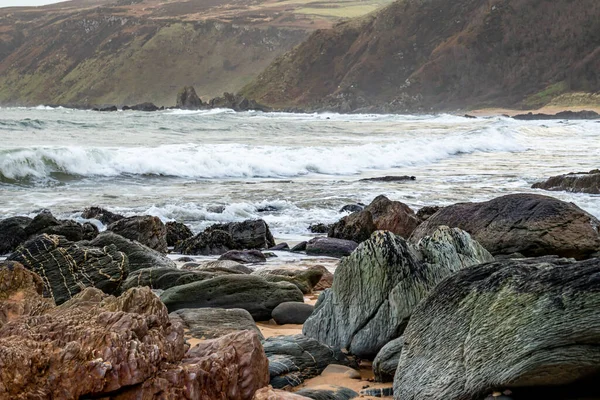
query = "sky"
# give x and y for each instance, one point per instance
(15, 3)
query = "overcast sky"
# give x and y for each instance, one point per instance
(15, 3)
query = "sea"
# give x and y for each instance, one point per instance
(292, 170)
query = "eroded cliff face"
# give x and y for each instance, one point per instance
(417, 55)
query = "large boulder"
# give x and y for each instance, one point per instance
(101, 214)
(12, 233)
(292, 359)
(220, 238)
(381, 214)
(139, 255)
(187, 99)
(176, 232)
(377, 287)
(292, 313)
(330, 247)
(210, 323)
(148, 230)
(66, 268)
(163, 278)
(580, 182)
(250, 292)
(529, 224)
(513, 324)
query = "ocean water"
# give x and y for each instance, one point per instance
(203, 167)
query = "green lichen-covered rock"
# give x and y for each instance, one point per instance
(511, 324)
(163, 278)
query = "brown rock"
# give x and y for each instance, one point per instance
(268, 393)
(326, 280)
(146, 229)
(581, 182)
(530, 224)
(381, 214)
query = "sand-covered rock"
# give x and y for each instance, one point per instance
(508, 324)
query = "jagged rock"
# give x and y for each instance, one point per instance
(292, 359)
(139, 255)
(560, 115)
(530, 224)
(236, 103)
(331, 393)
(101, 214)
(376, 288)
(45, 222)
(280, 247)
(268, 393)
(220, 238)
(148, 230)
(12, 233)
(304, 279)
(425, 212)
(352, 208)
(319, 228)
(20, 293)
(528, 323)
(244, 256)
(292, 313)
(381, 214)
(299, 247)
(90, 345)
(326, 279)
(163, 278)
(176, 231)
(250, 292)
(386, 361)
(401, 178)
(332, 247)
(580, 182)
(66, 268)
(187, 99)
(210, 323)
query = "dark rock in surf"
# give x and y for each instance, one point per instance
(244, 256)
(148, 107)
(292, 359)
(352, 208)
(580, 182)
(45, 222)
(331, 247)
(13, 233)
(319, 228)
(176, 232)
(403, 178)
(236, 103)
(292, 313)
(66, 268)
(381, 214)
(210, 323)
(561, 115)
(250, 292)
(101, 214)
(299, 247)
(280, 247)
(187, 99)
(530, 224)
(425, 212)
(511, 324)
(148, 230)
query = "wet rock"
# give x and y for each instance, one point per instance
(20, 292)
(236, 103)
(386, 361)
(292, 313)
(268, 393)
(176, 232)
(220, 238)
(280, 247)
(530, 224)
(266, 209)
(402, 178)
(101, 214)
(139, 256)
(332, 393)
(529, 323)
(332, 247)
(187, 99)
(112, 108)
(352, 208)
(147, 106)
(250, 292)
(376, 288)
(560, 115)
(319, 228)
(66, 268)
(244, 256)
(210, 323)
(163, 278)
(292, 359)
(12, 233)
(299, 247)
(381, 214)
(148, 230)
(425, 212)
(580, 182)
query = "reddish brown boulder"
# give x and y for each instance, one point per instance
(381, 214)
(268, 393)
(326, 280)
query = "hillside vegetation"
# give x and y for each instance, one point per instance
(424, 55)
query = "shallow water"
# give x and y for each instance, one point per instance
(302, 167)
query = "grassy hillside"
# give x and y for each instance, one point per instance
(417, 55)
(94, 52)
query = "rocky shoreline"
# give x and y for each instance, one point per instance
(471, 300)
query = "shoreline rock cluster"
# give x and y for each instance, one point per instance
(452, 303)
